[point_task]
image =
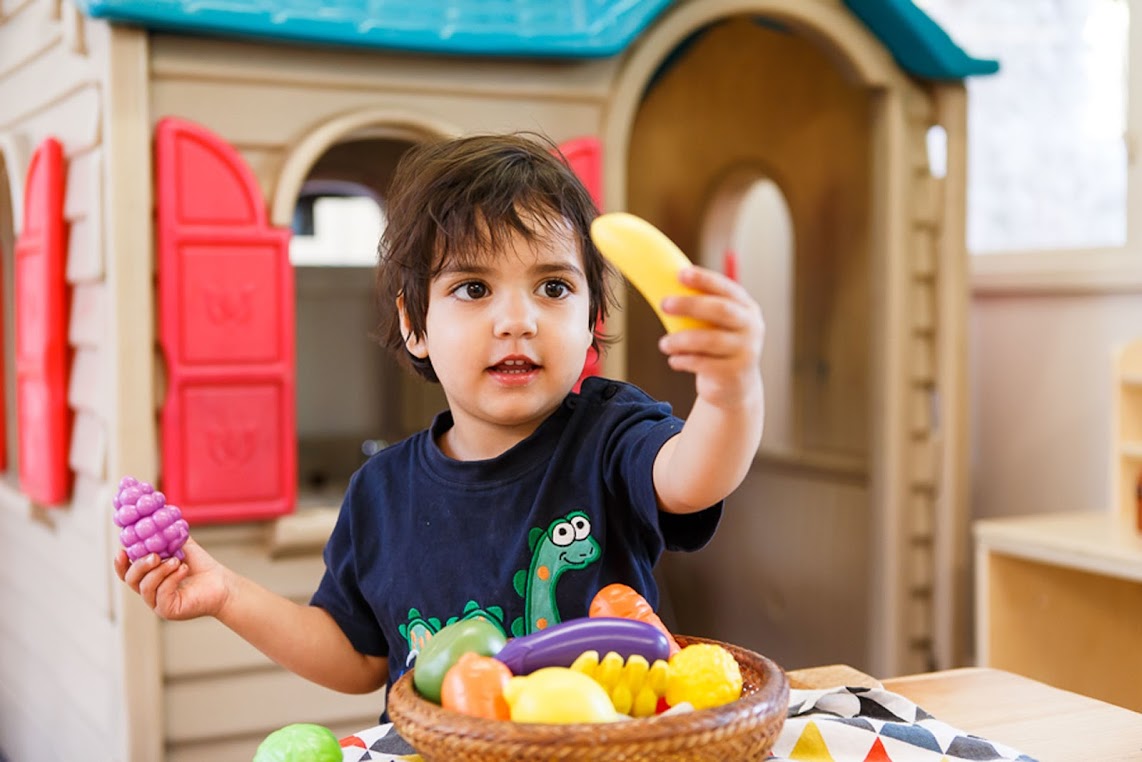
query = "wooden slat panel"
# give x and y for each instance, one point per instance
(921, 514)
(926, 200)
(920, 416)
(923, 253)
(922, 360)
(88, 324)
(923, 307)
(924, 461)
(88, 451)
(258, 702)
(919, 562)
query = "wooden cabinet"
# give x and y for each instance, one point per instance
(1059, 599)
(1126, 451)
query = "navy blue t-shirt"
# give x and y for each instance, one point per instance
(524, 540)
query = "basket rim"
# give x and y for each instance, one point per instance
(770, 698)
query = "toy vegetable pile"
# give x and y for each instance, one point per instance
(619, 662)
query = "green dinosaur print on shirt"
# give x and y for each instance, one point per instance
(418, 630)
(566, 544)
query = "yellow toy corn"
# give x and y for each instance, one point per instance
(634, 686)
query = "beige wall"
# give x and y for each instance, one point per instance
(1041, 398)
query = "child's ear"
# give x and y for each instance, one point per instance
(415, 346)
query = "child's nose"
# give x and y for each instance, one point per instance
(516, 316)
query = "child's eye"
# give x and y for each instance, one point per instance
(470, 290)
(555, 289)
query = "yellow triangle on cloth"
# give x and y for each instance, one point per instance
(810, 747)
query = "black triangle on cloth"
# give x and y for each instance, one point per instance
(877, 711)
(970, 747)
(392, 743)
(911, 734)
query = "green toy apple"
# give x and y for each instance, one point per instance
(300, 742)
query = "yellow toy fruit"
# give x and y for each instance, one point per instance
(648, 259)
(634, 686)
(705, 675)
(558, 695)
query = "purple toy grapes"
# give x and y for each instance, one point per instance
(149, 524)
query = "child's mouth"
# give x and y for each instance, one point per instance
(515, 367)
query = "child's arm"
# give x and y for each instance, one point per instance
(712, 454)
(303, 639)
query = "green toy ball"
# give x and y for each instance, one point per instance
(300, 742)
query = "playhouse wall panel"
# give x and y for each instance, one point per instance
(256, 703)
(267, 114)
(315, 68)
(88, 453)
(88, 315)
(74, 120)
(30, 32)
(59, 644)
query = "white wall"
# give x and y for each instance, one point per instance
(1041, 399)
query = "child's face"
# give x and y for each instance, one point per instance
(508, 335)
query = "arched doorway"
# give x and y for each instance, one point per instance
(752, 127)
(352, 398)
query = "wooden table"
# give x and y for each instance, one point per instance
(1047, 723)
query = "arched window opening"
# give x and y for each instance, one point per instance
(336, 223)
(748, 222)
(352, 398)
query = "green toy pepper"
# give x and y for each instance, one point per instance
(447, 646)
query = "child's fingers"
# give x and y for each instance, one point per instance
(122, 563)
(168, 586)
(139, 569)
(716, 310)
(149, 585)
(712, 282)
(706, 343)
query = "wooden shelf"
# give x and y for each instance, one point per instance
(1059, 599)
(1100, 543)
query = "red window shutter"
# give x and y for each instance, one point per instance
(585, 157)
(226, 326)
(42, 354)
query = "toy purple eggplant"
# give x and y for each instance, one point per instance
(560, 644)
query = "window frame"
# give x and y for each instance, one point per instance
(1083, 270)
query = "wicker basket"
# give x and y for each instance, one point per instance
(742, 730)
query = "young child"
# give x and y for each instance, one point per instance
(523, 499)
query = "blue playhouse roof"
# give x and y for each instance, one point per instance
(534, 28)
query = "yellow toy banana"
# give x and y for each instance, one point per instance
(648, 259)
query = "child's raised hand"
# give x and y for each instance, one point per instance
(725, 356)
(177, 589)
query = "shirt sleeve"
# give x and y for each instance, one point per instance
(339, 592)
(638, 428)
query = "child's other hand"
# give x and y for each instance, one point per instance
(177, 589)
(726, 356)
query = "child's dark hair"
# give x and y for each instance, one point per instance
(459, 200)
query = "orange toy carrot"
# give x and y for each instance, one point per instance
(623, 601)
